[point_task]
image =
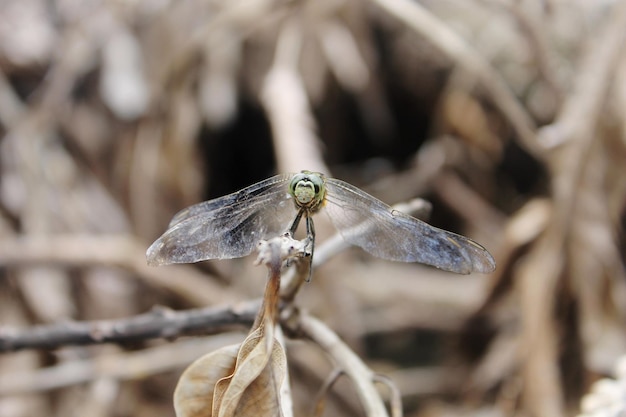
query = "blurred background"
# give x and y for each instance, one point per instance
(507, 115)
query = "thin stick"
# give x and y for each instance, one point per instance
(420, 20)
(118, 366)
(159, 323)
(361, 376)
(396, 396)
(323, 391)
(114, 251)
(285, 101)
(571, 136)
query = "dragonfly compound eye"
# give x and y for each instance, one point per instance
(307, 189)
(304, 192)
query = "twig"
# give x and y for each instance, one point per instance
(343, 56)
(544, 57)
(396, 396)
(573, 132)
(114, 251)
(417, 18)
(323, 391)
(572, 135)
(426, 381)
(292, 252)
(469, 204)
(537, 280)
(121, 366)
(11, 107)
(285, 101)
(159, 323)
(537, 40)
(361, 376)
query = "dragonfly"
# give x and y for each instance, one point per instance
(231, 226)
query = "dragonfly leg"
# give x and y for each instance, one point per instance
(310, 236)
(296, 222)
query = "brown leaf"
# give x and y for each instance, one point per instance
(259, 396)
(237, 380)
(252, 358)
(193, 396)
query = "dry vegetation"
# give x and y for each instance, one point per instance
(508, 115)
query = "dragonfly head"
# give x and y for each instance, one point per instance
(308, 190)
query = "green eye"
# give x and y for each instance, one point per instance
(307, 190)
(295, 181)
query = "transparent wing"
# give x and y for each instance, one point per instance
(367, 222)
(226, 227)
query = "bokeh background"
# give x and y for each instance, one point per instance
(507, 115)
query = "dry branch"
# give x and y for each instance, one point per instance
(117, 366)
(427, 25)
(361, 376)
(286, 104)
(573, 135)
(113, 251)
(159, 323)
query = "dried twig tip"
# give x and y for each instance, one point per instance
(286, 246)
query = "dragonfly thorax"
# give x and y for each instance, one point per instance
(308, 190)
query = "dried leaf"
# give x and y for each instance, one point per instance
(237, 380)
(193, 396)
(253, 390)
(252, 358)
